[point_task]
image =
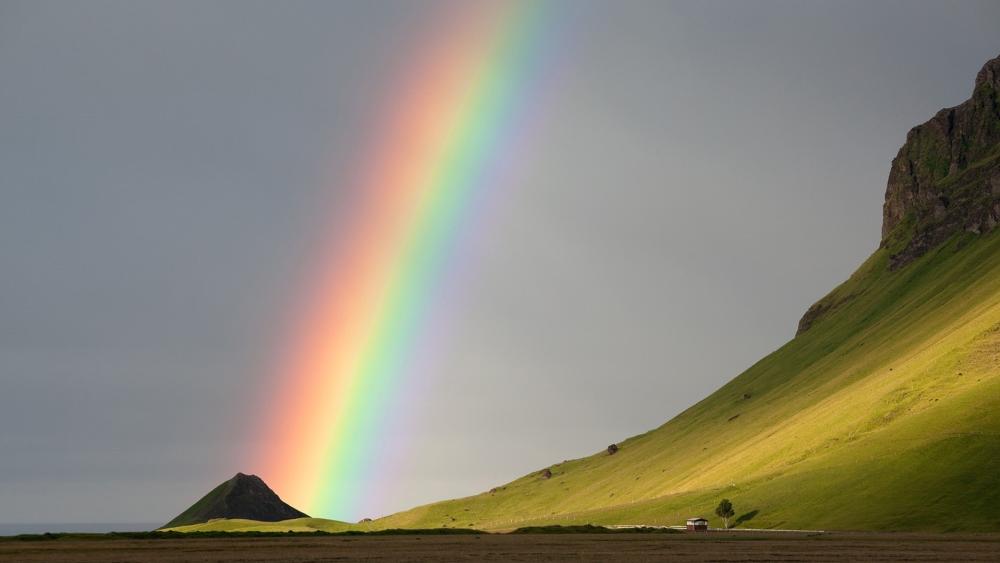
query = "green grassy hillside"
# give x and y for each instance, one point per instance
(241, 525)
(886, 413)
(883, 412)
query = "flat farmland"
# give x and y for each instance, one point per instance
(520, 547)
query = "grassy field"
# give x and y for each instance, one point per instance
(884, 415)
(238, 525)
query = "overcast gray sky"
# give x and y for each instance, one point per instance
(704, 172)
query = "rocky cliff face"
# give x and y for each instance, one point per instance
(944, 180)
(946, 177)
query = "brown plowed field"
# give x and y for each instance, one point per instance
(542, 547)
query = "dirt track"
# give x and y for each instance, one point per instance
(584, 547)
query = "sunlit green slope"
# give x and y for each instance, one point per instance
(886, 413)
(883, 412)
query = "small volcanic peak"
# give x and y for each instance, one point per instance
(243, 496)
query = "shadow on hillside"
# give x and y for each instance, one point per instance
(745, 517)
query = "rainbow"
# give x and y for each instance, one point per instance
(445, 139)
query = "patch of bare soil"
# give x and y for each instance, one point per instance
(526, 547)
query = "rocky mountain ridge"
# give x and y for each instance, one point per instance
(945, 179)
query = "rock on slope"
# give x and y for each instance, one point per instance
(243, 496)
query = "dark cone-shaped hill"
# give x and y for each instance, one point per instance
(243, 496)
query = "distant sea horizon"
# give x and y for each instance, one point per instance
(13, 529)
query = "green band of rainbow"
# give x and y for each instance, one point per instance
(446, 141)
